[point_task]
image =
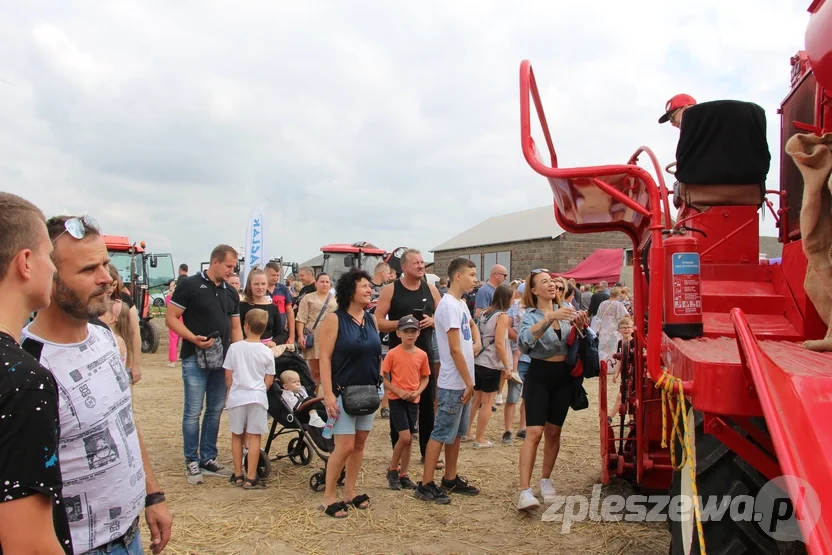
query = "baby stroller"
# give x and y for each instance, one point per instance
(307, 439)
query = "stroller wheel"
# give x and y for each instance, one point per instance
(264, 465)
(299, 452)
(317, 481)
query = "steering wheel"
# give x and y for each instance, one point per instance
(671, 165)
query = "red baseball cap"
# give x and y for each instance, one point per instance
(675, 103)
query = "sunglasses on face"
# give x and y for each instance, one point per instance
(559, 288)
(77, 227)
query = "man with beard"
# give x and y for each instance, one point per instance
(32, 516)
(411, 294)
(107, 476)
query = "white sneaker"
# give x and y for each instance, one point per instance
(499, 399)
(527, 500)
(547, 491)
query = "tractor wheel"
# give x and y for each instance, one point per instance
(150, 337)
(721, 472)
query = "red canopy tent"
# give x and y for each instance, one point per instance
(601, 265)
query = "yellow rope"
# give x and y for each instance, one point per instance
(676, 406)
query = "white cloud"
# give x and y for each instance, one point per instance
(388, 122)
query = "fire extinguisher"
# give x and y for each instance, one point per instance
(682, 287)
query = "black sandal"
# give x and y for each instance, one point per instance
(335, 508)
(254, 484)
(236, 480)
(359, 500)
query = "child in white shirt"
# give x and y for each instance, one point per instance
(249, 372)
(294, 394)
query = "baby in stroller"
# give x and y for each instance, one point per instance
(294, 395)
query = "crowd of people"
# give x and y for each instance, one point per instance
(80, 475)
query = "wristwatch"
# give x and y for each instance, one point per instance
(154, 498)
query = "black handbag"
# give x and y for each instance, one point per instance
(359, 400)
(580, 401)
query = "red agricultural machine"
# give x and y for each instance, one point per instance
(147, 275)
(720, 393)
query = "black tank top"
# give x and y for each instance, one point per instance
(404, 301)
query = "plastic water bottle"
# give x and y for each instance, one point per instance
(327, 433)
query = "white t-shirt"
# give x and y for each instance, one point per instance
(452, 313)
(101, 461)
(249, 363)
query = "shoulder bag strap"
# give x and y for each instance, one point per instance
(323, 308)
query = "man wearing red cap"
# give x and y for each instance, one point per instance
(675, 107)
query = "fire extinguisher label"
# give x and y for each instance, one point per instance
(687, 298)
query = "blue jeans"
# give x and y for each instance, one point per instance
(452, 417)
(201, 385)
(135, 548)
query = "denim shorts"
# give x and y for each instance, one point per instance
(452, 417)
(347, 424)
(514, 388)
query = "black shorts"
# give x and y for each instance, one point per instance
(486, 380)
(547, 391)
(403, 415)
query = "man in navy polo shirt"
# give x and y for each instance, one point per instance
(208, 307)
(282, 298)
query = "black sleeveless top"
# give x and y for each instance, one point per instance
(404, 301)
(356, 358)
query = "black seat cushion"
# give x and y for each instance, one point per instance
(723, 142)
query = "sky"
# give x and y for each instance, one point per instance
(389, 122)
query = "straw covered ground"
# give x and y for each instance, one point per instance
(216, 517)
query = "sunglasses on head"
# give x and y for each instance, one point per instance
(540, 271)
(77, 227)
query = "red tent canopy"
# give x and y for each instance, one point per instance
(601, 265)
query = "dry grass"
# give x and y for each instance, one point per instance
(216, 517)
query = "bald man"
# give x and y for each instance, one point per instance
(496, 278)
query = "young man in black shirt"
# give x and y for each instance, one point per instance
(32, 517)
(210, 311)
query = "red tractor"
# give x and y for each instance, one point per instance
(339, 258)
(719, 394)
(147, 275)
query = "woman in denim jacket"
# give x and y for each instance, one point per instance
(547, 390)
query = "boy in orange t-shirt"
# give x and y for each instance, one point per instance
(406, 371)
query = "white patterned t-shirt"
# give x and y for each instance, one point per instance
(101, 462)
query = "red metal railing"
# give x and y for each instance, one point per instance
(787, 421)
(529, 92)
(662, 187)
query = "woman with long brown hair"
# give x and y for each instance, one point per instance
(548, 387)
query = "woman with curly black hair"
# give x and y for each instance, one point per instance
(350, 355)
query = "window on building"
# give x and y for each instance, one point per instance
(504, 259)
(488, 261)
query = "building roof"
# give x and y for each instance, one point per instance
(526, 225)
(316, 262)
